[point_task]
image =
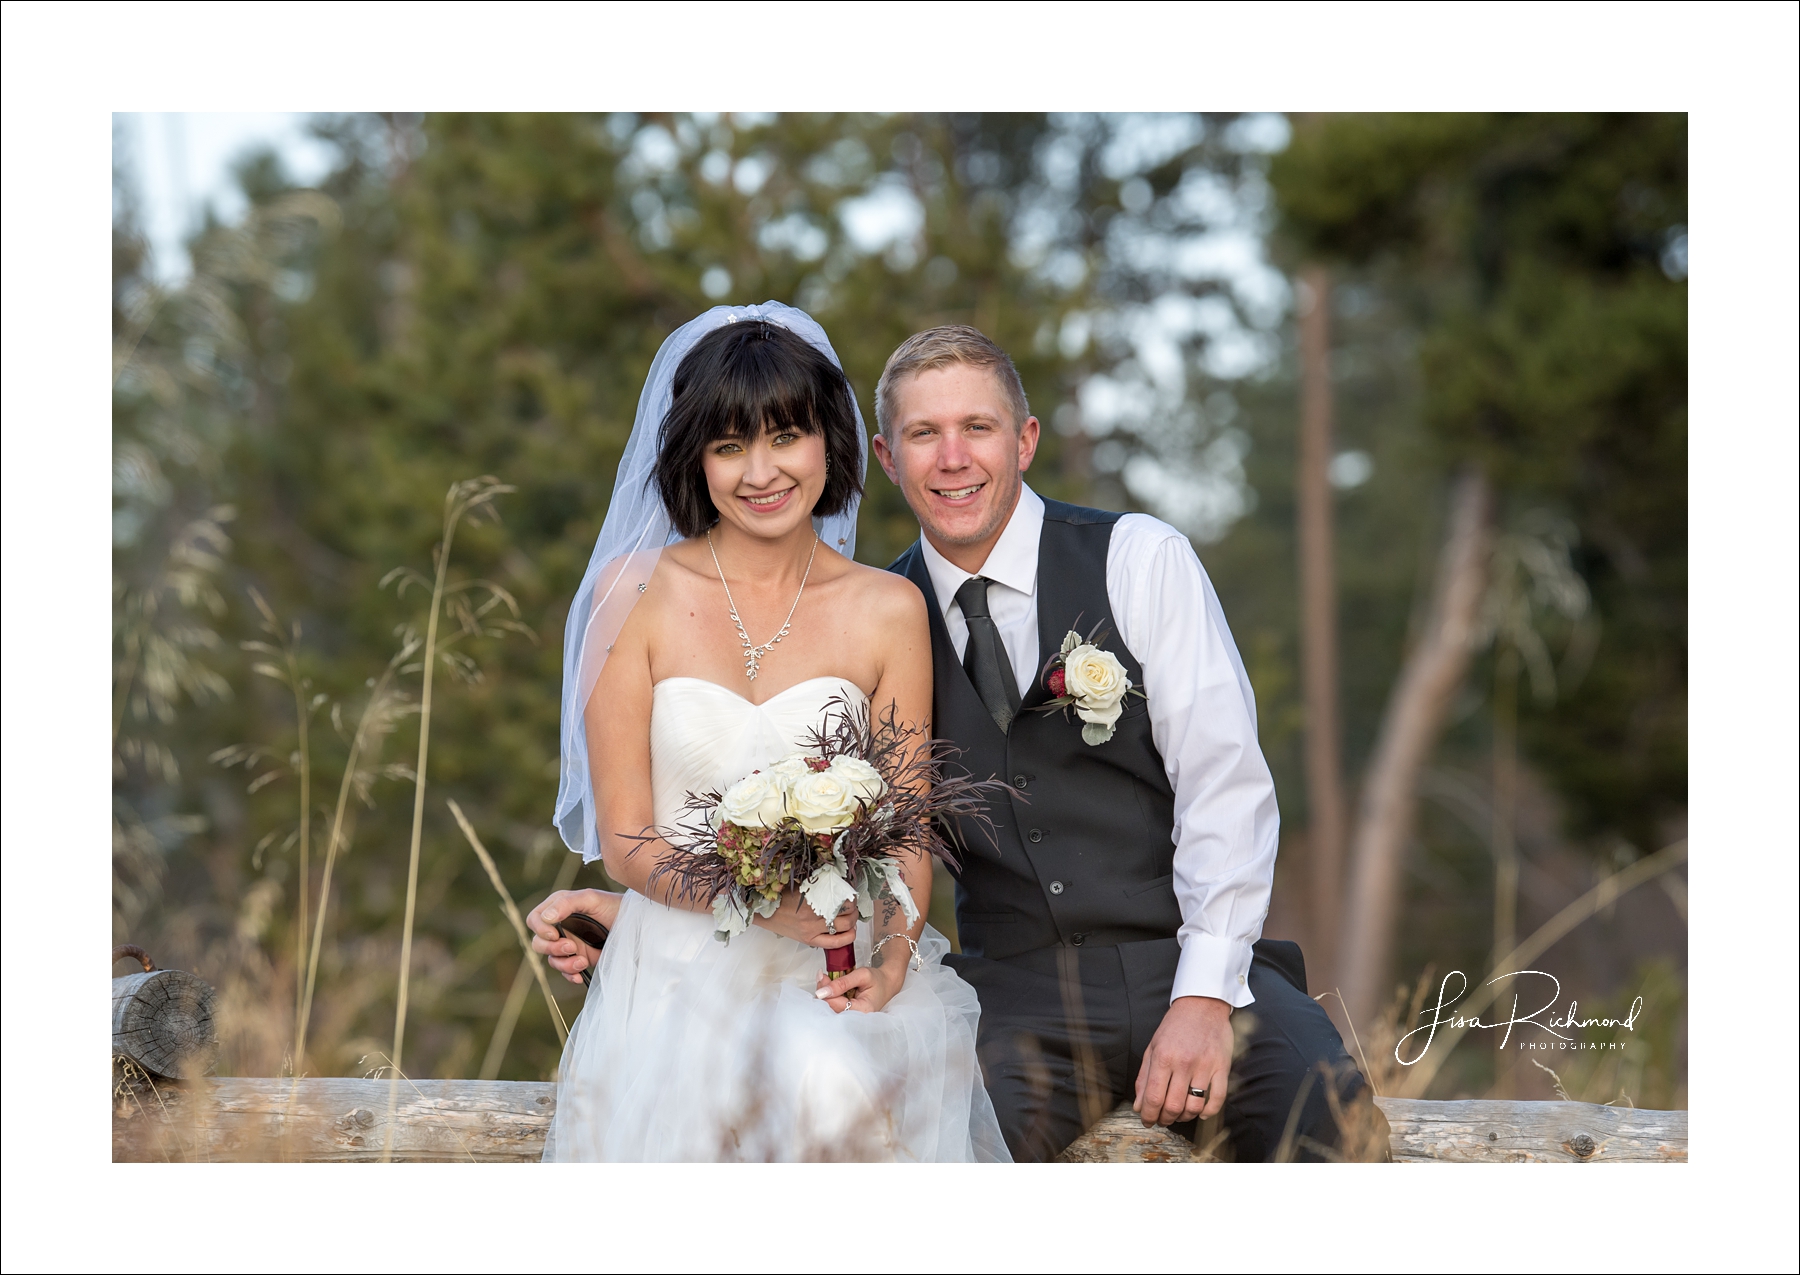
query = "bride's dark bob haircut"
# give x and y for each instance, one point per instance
(739, 382)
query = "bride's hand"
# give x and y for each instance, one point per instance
(796, 920)
(863, 989)
(568, 956)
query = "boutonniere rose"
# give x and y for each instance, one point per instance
(1088, 678)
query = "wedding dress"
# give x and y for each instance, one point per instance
(691, 1049)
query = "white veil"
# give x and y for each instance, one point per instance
(636, 530)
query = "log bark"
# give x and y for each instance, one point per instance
(1433, 670)
(505, 1121)
(1487, 1132)
(318, 1121)
(163, 1022)
(1318, 628)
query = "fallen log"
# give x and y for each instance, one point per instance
(1477, 1131)
(318, 1121)
(501, 1121)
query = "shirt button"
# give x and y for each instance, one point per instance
(1056, 887)
(1037, 834)
(1240, 979)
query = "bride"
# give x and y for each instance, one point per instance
(720, 619)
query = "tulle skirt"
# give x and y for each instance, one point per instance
(689, 1049)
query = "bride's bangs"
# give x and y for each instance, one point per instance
(743, 381)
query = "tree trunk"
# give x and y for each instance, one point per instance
(1318, 627)
(1506, 848)
(1433, 670)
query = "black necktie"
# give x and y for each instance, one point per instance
(984, 659)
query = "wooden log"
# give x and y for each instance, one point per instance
(1482, 1132)
(499, 1121)
(316, 1121)
(1121, 1138)
(163, 1022)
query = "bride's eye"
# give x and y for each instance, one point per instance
(785, 437)
(727, 449)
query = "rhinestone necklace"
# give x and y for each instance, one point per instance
(753, 654)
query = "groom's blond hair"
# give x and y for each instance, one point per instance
(940, 347)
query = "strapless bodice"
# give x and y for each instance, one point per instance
(704, 736)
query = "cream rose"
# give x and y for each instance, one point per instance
(864, 780)
(1106, 716)
(755, 801)
(822, 801)
(1097, 681)
(790, 768)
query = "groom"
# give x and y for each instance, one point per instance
(1109, 921)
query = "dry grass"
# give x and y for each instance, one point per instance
(532, 959)
(470, 499)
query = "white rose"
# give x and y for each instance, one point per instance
(755, 801)
(1097, 680)
(1105, 716)
(822, 802)
(790, 768)
(864, 780)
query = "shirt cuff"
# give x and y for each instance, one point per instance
(1215, 967)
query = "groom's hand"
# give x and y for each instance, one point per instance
(568, 956)
(1191, 1050)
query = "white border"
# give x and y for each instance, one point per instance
(66, 68)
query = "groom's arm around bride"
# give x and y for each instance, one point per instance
(1111, 921)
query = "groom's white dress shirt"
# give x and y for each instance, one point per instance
(1202, 720)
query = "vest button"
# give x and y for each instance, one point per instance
(1036, 834)
(1056, 887)
(1021, 782)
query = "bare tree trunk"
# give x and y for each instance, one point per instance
(1434, 668)
(1318, 628)
(1506, 849)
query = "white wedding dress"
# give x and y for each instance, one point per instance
(691, 1049)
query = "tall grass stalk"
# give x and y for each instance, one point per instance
(288, 673)
(521, 988)
(377, 717)
(518, 922)
(469, 497)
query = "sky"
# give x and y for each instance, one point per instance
(178, 163)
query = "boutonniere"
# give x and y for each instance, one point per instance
(1089, 679)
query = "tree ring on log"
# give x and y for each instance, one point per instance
(163, 1022)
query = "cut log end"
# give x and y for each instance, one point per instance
(163, 1022)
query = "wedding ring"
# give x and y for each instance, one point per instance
(1196, 1093)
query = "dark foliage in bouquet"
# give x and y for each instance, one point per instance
(831, 820)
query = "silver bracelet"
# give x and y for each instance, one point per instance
(917, 962)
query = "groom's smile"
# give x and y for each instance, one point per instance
(959, 494)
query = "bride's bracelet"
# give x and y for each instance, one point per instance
(917, 962)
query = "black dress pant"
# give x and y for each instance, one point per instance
(1064, 1031)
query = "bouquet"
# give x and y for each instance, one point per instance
(830, 821)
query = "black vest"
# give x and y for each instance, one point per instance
(1087, 856)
